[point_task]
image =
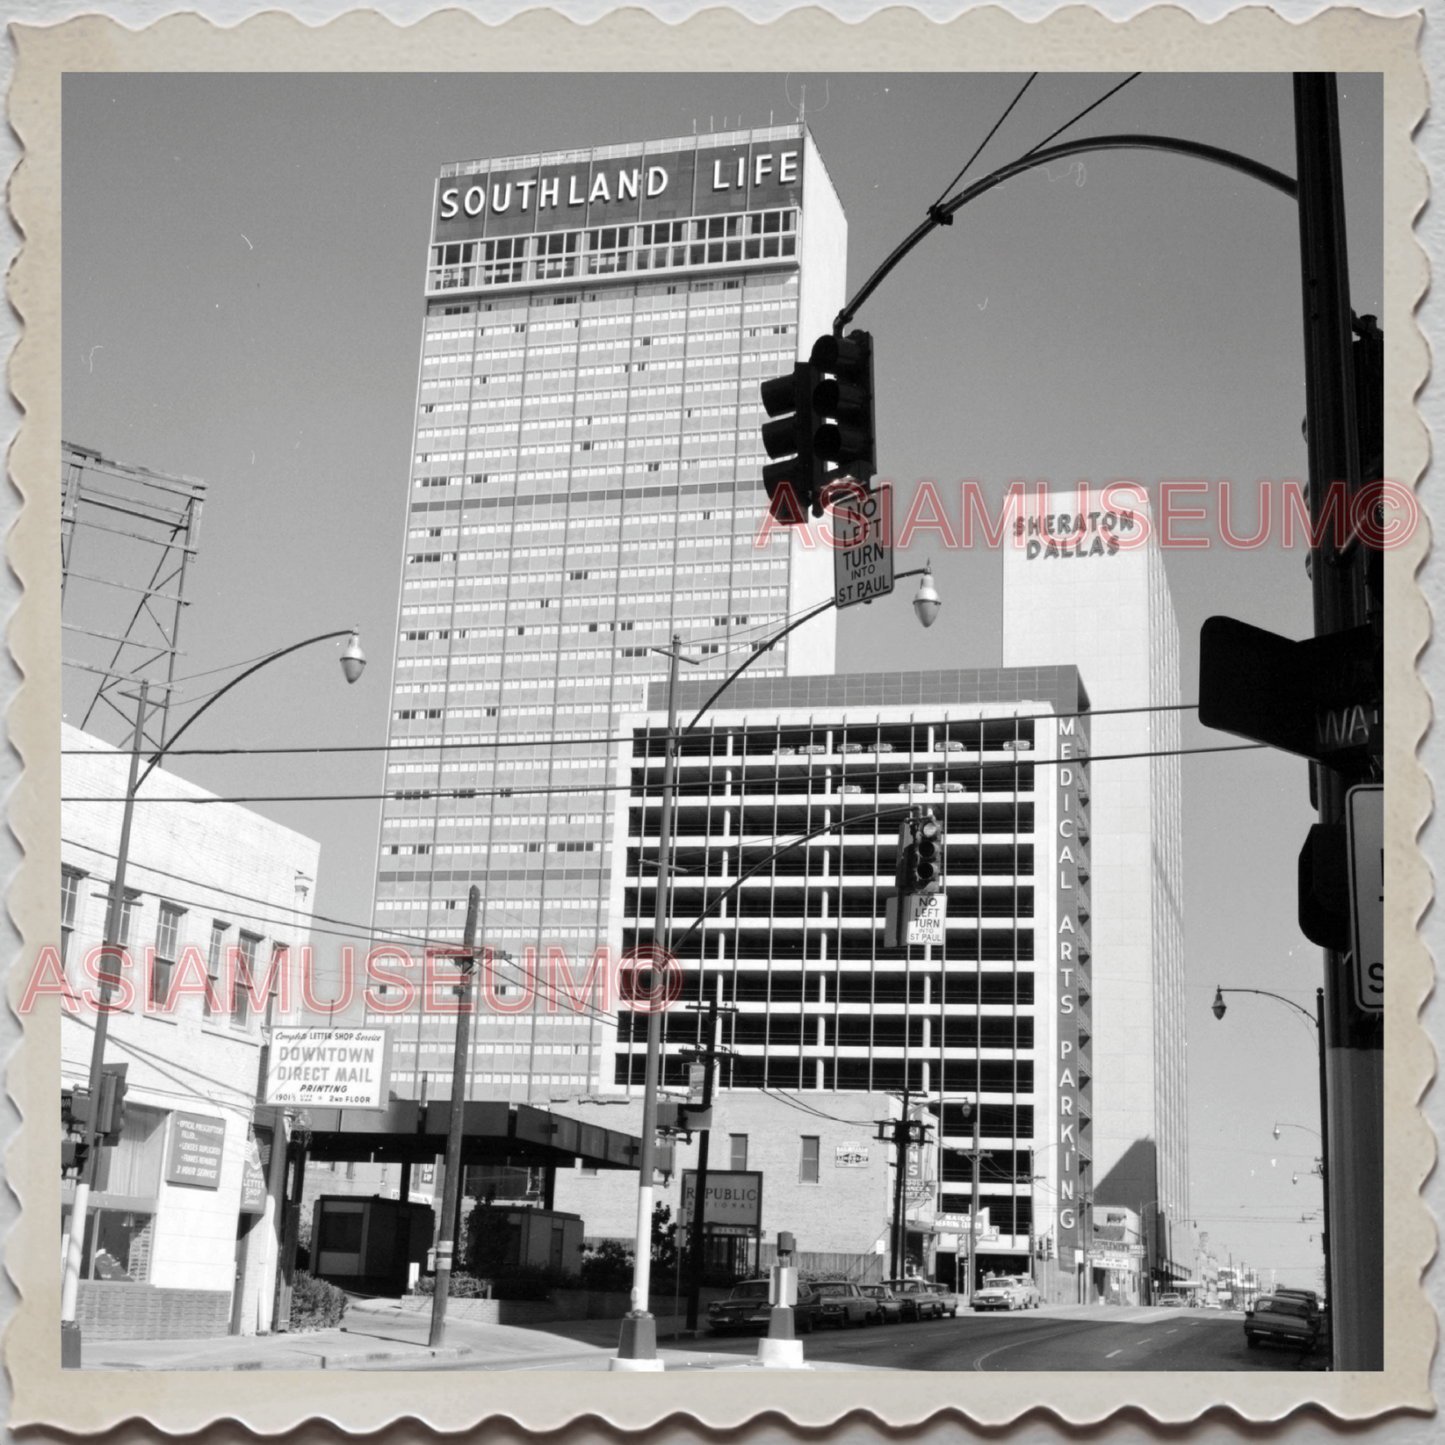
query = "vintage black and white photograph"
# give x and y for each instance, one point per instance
(723, 722)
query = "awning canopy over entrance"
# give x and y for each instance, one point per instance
(408, 1131)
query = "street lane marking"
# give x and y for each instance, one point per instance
(1112, 1353)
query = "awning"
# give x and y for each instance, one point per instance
(408, 1131)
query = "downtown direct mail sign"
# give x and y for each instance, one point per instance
(327, 1068)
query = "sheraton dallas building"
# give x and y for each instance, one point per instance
(583, 485)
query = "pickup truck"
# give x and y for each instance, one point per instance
(1282, 1319)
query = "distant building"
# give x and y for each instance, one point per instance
(829, 1027)
(1087, 586)
(183, 1227)
(584, 484)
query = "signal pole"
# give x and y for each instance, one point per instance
(695, 1232)
(1342, 600)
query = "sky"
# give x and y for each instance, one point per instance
(243, 263)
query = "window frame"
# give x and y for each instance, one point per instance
(164, 964)
(816, 1140)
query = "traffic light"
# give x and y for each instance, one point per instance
(928, 855)
(905, 876)
(73, 1154)
(788, 439)
(843, 394)
(110, 1117)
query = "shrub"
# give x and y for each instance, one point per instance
(315, 1304)
(462, 1286)
(607, 1267)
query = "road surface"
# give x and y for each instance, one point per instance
(1069, 1338)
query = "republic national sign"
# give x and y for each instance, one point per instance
(733, 1202)
(327, 1068)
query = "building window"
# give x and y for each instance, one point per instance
(808, 1160)
(215, 958)
(737, 1152)
(69, 903)
(168, 934)
(245, 975)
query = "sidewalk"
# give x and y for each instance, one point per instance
(381, 1334)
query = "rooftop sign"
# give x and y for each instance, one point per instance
(651, 186)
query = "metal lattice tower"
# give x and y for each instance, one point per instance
(127, 537)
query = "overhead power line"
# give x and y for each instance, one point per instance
(411, 748)
(572, 790)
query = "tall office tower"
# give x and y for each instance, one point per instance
(585, 484)
(995, 1014)
(1084, 583)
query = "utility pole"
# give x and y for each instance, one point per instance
(901, 1141)
(110, 967)
(973, 1200)
(901, 1132)
(695, 1233)
(637, 1345)
(450, 1189)
(1342, 600)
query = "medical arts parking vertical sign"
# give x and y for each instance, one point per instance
(328, 1068)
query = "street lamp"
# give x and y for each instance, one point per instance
(637, 1345)
(353, 660)
(926, 600)
(1318, 1020)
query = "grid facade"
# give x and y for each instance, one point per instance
(584, 485)
(793, 941)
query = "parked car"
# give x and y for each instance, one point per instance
(747, 1308)
(842, 1303)
(880, 747)
(813, 748)
(1282, 1319)
(1172, 1301)
(926, 1300)
(913, 788)
(1007, 1292)
(952, 788)
(887, 1307)
(949, 747)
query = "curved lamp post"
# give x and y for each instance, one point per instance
(637, 1345)
(353, 660)
(1218, 1008)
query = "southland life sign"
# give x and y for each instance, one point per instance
(672, 180)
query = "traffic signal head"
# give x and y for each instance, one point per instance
(905, 878)
(795, 477)
(928, 854)
(843, 401)
(110, 1117)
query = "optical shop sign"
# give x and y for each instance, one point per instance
(327, 1068)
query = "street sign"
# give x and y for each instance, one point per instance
(1365, 824)
(1319, 697)
(928, 919)
(863, 559)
